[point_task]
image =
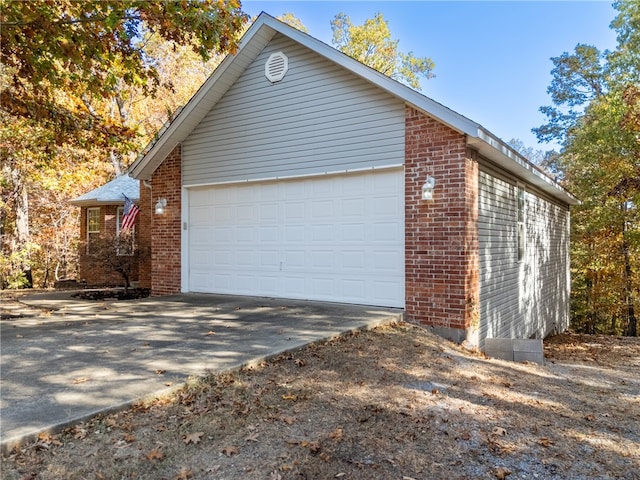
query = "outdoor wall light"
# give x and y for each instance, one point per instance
(427, 188)
(161, 205)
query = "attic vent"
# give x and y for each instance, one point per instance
(276, 67)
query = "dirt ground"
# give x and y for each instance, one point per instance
(393, 403)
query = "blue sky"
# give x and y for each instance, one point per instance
(492, 59)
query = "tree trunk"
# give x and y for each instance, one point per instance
(22, 221)
(115, 161)
(632, 321)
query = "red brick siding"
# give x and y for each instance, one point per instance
(441, 244)
(143, 232)
(90, 271)
(166, 229)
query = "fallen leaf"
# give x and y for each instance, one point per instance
(159, 371)
(209, 333)
(129, 438)
(155, 454)
(499, 431)
(184, 474)
(336, 434)
(251, 438)
(589, 417)
(340, 475)
(45, 437)
(300, 362)
(501, 473)
(545, 442)
(288, 420)
(228, 451)
(193, 437)
(19, 336)
(292, 397)
(80, 380)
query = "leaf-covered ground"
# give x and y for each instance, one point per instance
(393, 403)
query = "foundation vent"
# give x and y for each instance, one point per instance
(276, 67)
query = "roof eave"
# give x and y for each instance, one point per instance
(202, 101)
(96, 202)
(258, 36)
(495, 150)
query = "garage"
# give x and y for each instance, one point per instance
(336, 238)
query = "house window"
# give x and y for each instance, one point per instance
(93, 226)
(124, 241)
(522, 224)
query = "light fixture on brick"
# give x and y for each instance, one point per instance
(161, 204)
(427, 188)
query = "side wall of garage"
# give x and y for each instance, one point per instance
(524, 263)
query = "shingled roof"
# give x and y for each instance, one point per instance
(111, 193)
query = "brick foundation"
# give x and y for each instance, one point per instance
(441, 235)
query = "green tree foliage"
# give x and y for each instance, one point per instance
(290, 19)
(371, 44)
(597, 118)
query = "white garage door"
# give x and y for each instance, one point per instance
(335, 238)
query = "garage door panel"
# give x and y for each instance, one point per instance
(321, 233)
(294, 233)
(354, 232)
(269, 284)
(294, 284)
(385, 232)
(353, 260)
(245, 234)
(294, 211)
(387, 291)
(386, 261)
(295, 259)
(246, 258)
(334, 238)
(269, 234)
(245, 284)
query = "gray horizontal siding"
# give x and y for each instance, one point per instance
(545, 277)
(499, 272)
(319, 118)
(527, 298)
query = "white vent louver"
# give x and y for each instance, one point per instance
(276, 67)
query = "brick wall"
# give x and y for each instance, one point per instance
(441, 244)
(143, 234)
(166, 229)
(90, 271)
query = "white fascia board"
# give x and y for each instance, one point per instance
(200, 104)
(495, 150)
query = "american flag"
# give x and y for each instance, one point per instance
(130, 213)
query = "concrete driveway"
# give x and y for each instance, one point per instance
(88, 357)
